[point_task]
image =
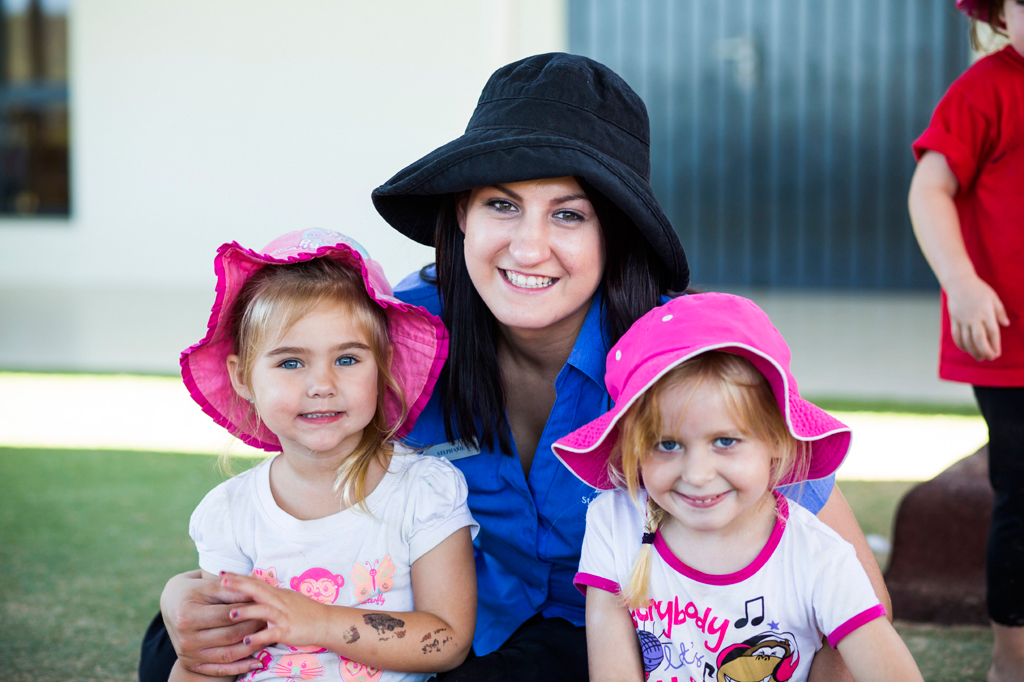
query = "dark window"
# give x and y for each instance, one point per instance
(34, 129)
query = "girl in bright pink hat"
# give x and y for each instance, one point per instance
(967, 206)
(692, 550)
(310, 356)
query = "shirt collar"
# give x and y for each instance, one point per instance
(592, 343)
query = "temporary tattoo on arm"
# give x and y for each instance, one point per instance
(352, 636)
(439, 640)
(383, 623)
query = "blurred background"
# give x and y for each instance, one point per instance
(136, 136)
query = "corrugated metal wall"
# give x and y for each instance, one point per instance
(781, 129)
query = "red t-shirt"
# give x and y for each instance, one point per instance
(979, 127)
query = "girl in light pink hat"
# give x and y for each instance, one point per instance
(691, 550)
(310, 356)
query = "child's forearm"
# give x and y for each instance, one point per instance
(412, 641)
(936, 223)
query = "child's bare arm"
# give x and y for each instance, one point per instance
(874, 652)
(613, 650)
(435, 637)
(975, 310)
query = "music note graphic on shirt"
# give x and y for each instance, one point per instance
(756, 620)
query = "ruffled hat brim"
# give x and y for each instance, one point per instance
(419, 340)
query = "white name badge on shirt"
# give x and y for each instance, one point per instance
(452, 451)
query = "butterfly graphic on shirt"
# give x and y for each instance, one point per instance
(370, 580)
(352, 671)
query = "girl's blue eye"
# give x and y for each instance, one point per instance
(345, 361)
(725, 442)
(668, 446)
(290, 364)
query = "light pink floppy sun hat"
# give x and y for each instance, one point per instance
(671, 334)
(419, 340)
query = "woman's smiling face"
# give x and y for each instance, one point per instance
(534, 250)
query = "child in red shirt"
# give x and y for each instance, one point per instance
(967, 207)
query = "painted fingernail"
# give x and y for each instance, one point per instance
(247, 640)
(234, 614)
(223, 572)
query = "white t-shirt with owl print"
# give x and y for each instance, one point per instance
(764, 622)
(349, 558)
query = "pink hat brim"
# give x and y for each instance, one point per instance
(586, 450)
(419, 342)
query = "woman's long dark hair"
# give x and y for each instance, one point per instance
(471, 391)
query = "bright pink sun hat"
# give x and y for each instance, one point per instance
(419, 340)
(670, 335)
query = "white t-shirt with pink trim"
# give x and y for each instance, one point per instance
(348, 559)
(762, 623)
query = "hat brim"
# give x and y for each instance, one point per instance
(419, 344)
(486, 156)
(586, 451)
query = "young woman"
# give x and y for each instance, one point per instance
(550, 243)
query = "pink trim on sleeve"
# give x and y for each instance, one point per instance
(876, 611)
(582, 580)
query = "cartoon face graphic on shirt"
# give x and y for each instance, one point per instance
(319, 584)
(765, 657)
(269, 576)
(299, 667)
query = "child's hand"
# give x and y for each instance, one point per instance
(975, 315)
(292, 618)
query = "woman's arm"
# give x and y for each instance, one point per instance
(437, 636)
(975, 311)
(613, 650)
(207, 640)
(874, 652)
(180, 674)
(828, 665)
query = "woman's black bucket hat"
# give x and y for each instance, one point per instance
(546, 116)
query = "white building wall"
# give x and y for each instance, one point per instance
(196, 122)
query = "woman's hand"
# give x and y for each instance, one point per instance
(292, 618)
(196, 610)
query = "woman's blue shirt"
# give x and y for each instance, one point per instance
(531, 528)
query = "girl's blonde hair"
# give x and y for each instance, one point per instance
(993, 9)
(277, 297)
(751, 404)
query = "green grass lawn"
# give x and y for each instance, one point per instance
(88, 538)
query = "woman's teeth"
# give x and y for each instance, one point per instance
(528, 281)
